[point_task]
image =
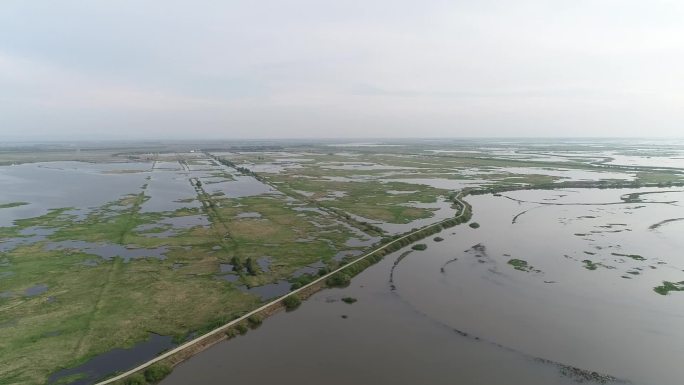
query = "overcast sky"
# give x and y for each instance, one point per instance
(174, 69)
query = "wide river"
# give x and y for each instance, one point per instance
(460, 313)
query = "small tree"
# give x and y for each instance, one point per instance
(251, 266)
(237, 265)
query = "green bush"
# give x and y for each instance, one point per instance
(237, 264)
(419, 246)
(340, 279)
(231, 333)
(136, 379)
(157, 372)
(668, 287)
(291, 302)
(251, 266)
(474, 225)
(302, 280)
(241, 328)
(254, 320)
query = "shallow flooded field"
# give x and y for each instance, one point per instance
(51, 185)
(96, 256)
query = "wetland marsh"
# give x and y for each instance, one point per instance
(568, 271)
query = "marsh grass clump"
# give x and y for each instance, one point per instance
(589, 265)
(79, 376)
(291, 302)
(302, 280)
(520, 264)
(349, 300)
(251, 266)
(255, 321)
(237, 264)
(12, 204)
(635, 257)
(136, 379)
(231, 333)
(157, 372)
(438, 239)
(241, 328)
(419, 246)
(339, 280)
(668, 286)
(474, 225)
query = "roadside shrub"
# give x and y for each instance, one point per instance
(291, 302)
(419, 246)
(241, 328)
(255, 321)
(136, 379)
(340, 279)
(157, 372)
(302, 280)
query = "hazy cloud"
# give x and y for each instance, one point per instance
(312, 68)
